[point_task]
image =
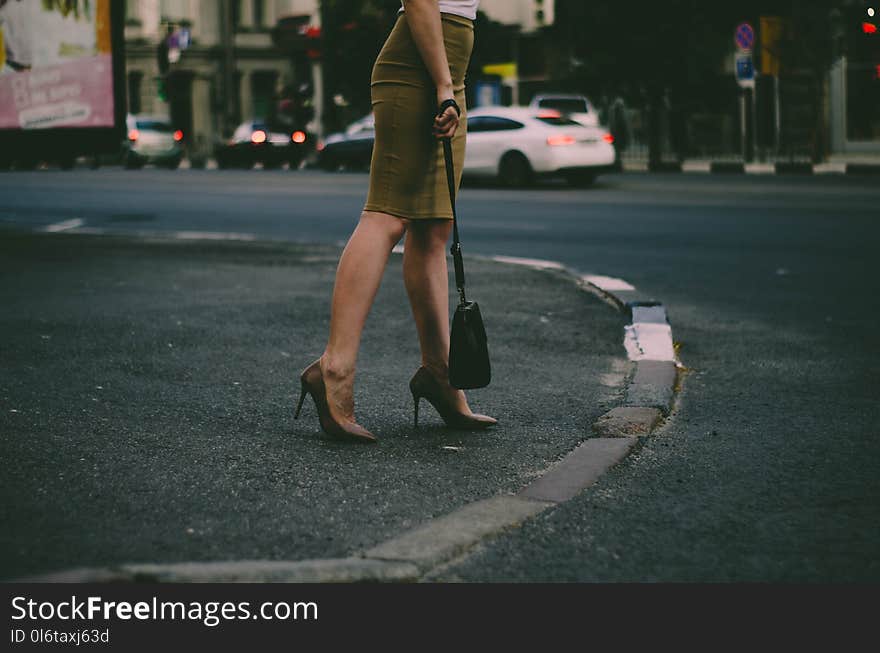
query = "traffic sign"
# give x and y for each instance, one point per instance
(745, 37)
(745, 70)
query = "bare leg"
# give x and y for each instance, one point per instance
(427, 284)
(357, 280)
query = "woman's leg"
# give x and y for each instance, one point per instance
(357, 280)
(427, 284)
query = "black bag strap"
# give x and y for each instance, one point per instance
(456, 242)
(450, 179)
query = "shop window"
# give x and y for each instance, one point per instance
(263, 93)
(135, 78)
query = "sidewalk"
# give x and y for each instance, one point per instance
(147, 399)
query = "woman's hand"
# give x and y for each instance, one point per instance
(446, 123)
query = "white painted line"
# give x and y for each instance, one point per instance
(608, 284)
(91, 230)
(537, 263)
(696, 166)
(831, 168)
(211, 235)
(646, 341)
(760, 169)
(397, 249)
(64, 226)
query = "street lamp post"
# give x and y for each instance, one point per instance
(230, 101)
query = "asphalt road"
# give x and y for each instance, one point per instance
(768, 469)
(146, 409)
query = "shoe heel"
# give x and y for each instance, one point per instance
(302, 397)
(416, 400)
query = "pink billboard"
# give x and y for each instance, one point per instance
(56, 67)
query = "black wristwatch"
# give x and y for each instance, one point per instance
(449, 103)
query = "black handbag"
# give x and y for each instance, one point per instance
(468, 347)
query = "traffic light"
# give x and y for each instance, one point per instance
(863, 32)
(295, 35)
(869, 19)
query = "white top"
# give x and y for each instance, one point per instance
(466, 8)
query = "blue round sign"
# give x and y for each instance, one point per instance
(745, 36)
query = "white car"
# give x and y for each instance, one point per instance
(151, 139)
(576, 107)
(517, 144)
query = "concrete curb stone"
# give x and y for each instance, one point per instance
(802, 167)
(449, 536)
(652, 386)
(578, 470)
(627, 422)
(341, 570)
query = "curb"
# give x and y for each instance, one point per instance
(412, 555)
(742, 168)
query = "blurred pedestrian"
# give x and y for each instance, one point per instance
(418, 97)
(618, 125)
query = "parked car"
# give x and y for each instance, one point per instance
(518, 144)
(576, 107)
(255, 141)
(352, 148)
(151, 139)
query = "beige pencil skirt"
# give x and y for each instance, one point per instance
(407, 172)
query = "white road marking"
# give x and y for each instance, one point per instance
(696, 166)
(212, 235)
(64, 226)
(540, 264)
(649, 342)
(607, 284)
(830, 168)
(760, 169)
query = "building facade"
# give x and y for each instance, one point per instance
(854, 82)
(209, 65)
(528, 15)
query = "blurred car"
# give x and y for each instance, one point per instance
(518, 144)
(255, 141)
(352, 148)
(151, 139)
(576, 107)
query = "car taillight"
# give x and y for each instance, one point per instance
(549, 113)
(608, 138)
(561, 139)
(258, 137)
(133, 135)
(298, 137)
(178, 135)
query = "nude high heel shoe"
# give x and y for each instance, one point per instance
(425, 385)
(312, 383)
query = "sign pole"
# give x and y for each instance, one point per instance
(744, 70)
